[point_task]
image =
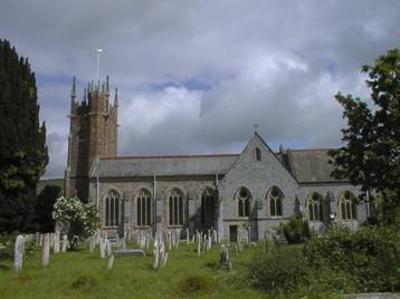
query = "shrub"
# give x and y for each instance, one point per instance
(295, 230)
(279, 270)
(371, 256)
(78, 219)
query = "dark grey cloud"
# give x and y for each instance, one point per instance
(194, 76)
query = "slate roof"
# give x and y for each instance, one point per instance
(310, 165)
(163, 165)
(307, 166)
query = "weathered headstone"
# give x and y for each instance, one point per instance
(64, 243)
(169, 240)
(187, 236)
(239, 244)
(165, 260)
(224, 257)
(205, 243)
(198, 244)
(56, 242)
(45, 250)
(19, 253)
(108, 248)
(92, 244)
(110, 262)
(156, 255)
(123, 243)
(102, 248)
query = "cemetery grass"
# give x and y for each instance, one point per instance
(79, 274)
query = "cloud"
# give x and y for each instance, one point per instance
(194, 76)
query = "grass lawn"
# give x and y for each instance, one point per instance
(79, 274)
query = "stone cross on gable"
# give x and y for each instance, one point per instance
(255, 127)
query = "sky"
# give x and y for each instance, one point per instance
(194, 77)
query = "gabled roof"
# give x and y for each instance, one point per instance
(306, 165)
(142, 166)
(310, 165)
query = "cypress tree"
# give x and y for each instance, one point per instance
(23, 151)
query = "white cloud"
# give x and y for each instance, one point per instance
(277, 63)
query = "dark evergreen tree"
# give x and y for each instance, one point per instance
(371, 155)
(23, 151)
(44, 208)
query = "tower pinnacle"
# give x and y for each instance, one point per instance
(116, 98)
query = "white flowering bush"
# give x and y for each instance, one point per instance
(79, 219)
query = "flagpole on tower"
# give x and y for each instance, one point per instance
(98, 51)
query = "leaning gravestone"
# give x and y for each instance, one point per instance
(164, 260)
(45, 250)
(19, 253)
(110, 262)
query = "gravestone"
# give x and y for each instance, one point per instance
(187, 236)
(19, 253)
(64, 244)
(45, 250)
(108, 247)
(102, 248)
(110, 262)
(198, 244)
(224, 257)
(156, 255)
(92, 244)
(56, 242)
(129, 252)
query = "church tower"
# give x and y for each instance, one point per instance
(93, 134)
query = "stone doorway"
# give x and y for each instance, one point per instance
(233, 233)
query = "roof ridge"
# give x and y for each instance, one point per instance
(311, 149)
(167, 156)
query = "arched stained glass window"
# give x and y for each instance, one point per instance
(314, 205)
(348, 206)
(175, 205)
(243, 201)
(275, 197)
(112, 209)
(143, 208)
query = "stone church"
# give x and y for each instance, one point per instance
(250, 192)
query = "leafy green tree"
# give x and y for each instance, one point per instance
(23, 151)
(370, 157)
(45, 206)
